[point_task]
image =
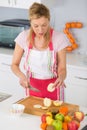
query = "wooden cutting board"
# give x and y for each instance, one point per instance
(29, 103)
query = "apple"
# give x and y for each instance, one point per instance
(57, 124)
(49, 120)
(43, 118)
(59, 116)
(47, 102)
(57, 103)
(49, 114)
(72, 125)
(67, 118)
(79, 115)
(77, 123)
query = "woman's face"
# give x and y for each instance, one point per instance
(40, 26)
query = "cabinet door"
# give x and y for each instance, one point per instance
(76, 93)
(24, 3)
(6, 3)
(9, 83)
(76, 87)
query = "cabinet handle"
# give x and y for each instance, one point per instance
(81, 78)
(6, 64)
(9, 1)
(15, 2)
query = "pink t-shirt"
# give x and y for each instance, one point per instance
(59, 40)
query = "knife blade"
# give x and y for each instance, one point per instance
(34, 89)
(30, 87)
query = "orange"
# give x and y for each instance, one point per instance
(65, 126)
(74, 46)
(63, 110)
(70, 35)
(72, 40)
(66, 31)
(68, 25)
(69, 48)
(43, 125)
(79, 25)
(73, 25)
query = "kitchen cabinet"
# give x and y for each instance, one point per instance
(9, 83)
(76, 85)
(17, 3)
(24, 4)
(5, 3)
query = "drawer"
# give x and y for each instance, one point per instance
(5, 62)
(76, 81)
(80, 73)
(5, 59)
(76, 76)
(76, 94)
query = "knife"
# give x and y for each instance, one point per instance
(33, 89)
(30, 87)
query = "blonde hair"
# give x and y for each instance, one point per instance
(36, 11)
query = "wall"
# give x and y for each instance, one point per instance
(68, 11)
(62, 11)
(12, 13)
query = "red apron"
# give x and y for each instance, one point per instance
(41, 66)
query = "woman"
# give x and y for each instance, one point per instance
(45, 55)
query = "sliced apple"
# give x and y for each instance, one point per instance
(37, 106)
(47, 102)
(57, 103)
(50, 87)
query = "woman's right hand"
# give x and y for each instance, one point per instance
(24, 82)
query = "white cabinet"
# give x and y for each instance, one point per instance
(9, 83)
(6, 3)
(76, 85)
(25, 4)
(18, 3)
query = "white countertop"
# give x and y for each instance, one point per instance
(25, 121)
(77, 60)
(6, 51)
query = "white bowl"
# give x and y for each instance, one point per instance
(17, 109)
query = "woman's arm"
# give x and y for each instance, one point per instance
(17, 55)
(61, 65)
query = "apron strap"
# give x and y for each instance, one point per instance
(50, 44)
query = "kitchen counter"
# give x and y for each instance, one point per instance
(25, 121)
(10, 122)
(6, 51)
(77, 60)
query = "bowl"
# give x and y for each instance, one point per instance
(17, 109)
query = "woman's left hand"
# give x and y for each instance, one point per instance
(59, 82)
